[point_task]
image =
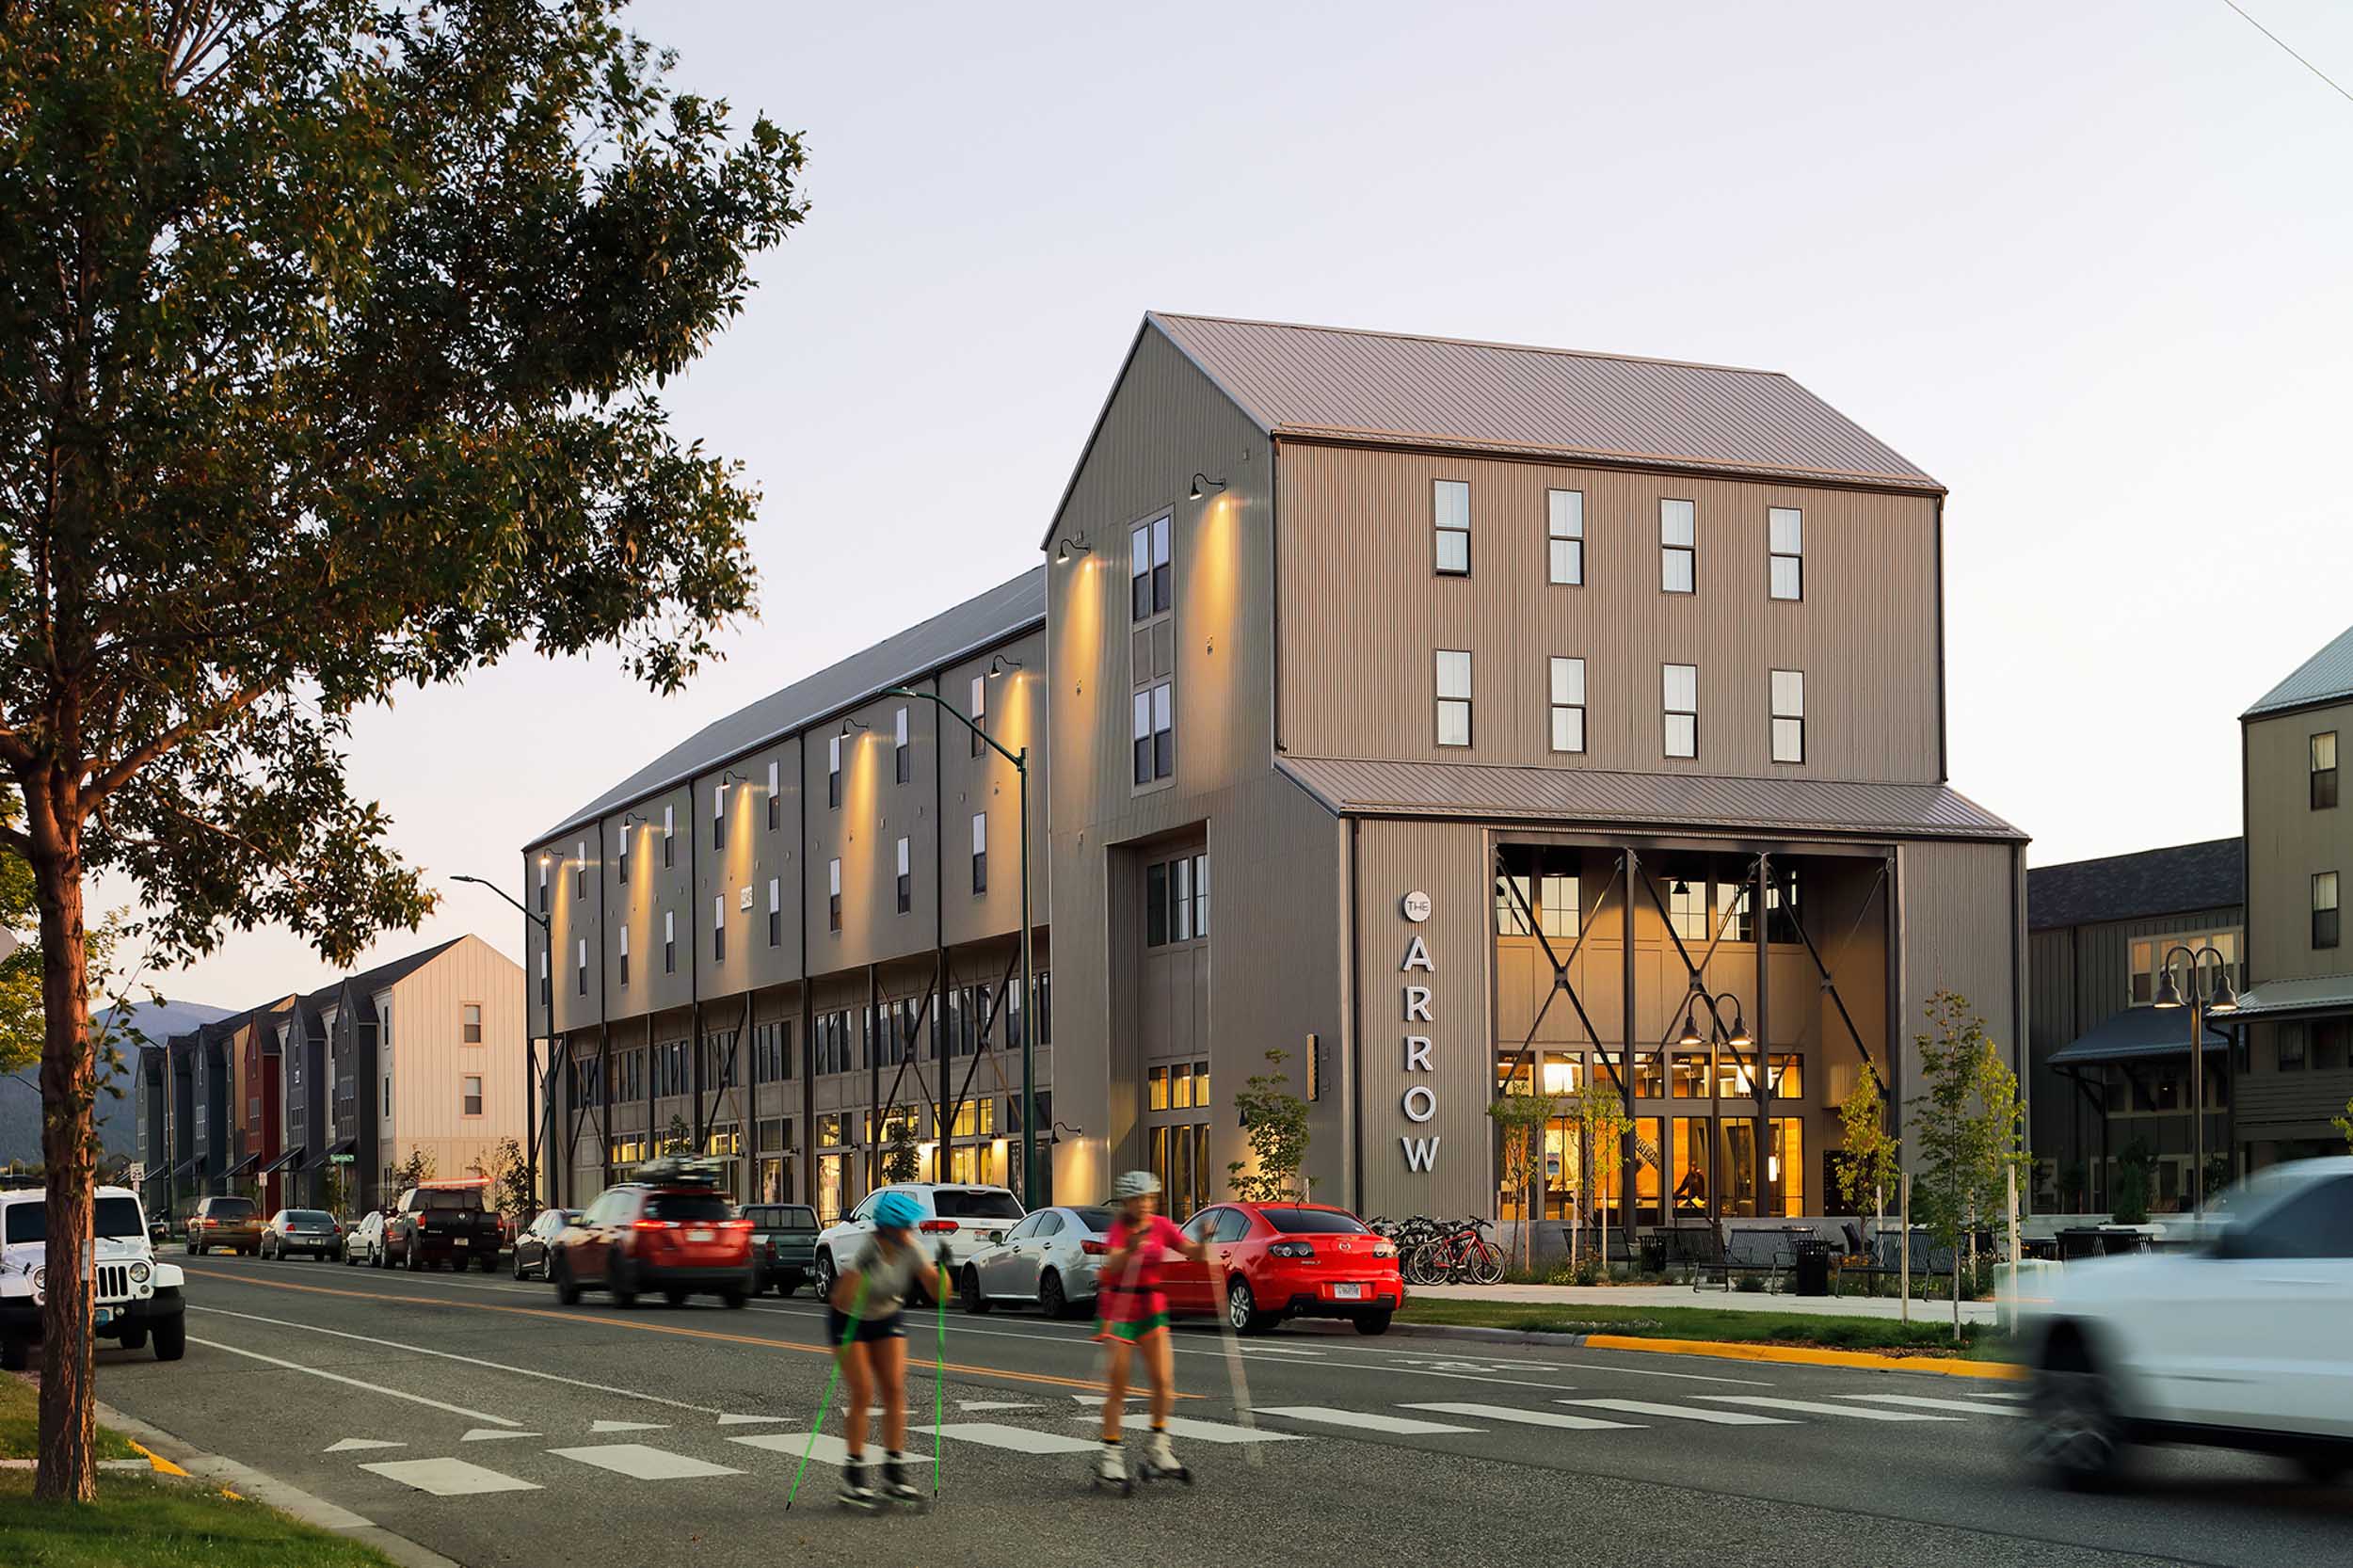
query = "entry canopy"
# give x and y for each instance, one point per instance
(2135, 1034)
(292, 1157)
(241, 1166)
(2326, 993)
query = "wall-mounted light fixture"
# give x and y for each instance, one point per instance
(1203, 482)
(848, 725)
(1000, 665)
(731, 777)
(1067, 547)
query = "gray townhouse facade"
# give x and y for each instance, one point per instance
(1449, 717)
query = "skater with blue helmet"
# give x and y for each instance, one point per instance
(865, 1322)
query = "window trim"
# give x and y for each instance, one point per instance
(1555, 707)
(1440, 528)
(1795, 558)
(1667, 713)
(2315, 773)
(2332, 926)
(1555, 538)
(1776, 718)
(1439, 700)
(1689, 550)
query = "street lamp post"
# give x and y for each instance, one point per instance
(1020, 761)
(1738, 1039)
(2205, 996)
(531, 1086)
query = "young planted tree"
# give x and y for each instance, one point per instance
(1970, 1129)
(329, 331)
(677, 1138)
(1871, 1167)
(415, 1171)
(506, 1177)
(901, 1160)
(1599, 1112)
(2344, 1126)
(1275, 1123)
(1522, 1115)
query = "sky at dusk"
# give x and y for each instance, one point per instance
(2087, 263)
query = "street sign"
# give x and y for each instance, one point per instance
(138, 1176)
(340, 1159)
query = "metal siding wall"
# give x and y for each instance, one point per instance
(1363, 614)
(2288, 842)
(431, 1056)
(1016, 719)
(1960, 932)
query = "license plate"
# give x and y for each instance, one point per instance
(702, 1234)
(105, 1315)
(1348, 1292)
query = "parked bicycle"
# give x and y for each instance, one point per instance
(1443, 1251)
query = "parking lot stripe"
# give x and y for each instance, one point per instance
(1919, 1401)
(641, 1461)
(1021, 1440)
(1817, 1407)
(1684, 1413)
(355, 1383)
(1362, 1421)
(447, 1477)
(827, 1452)
(1525, 1417)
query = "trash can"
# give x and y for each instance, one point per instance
(1655, 1252)
(1812, 1266)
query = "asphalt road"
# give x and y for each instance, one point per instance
(474, 1415)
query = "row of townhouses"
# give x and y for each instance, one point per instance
(2112, 1066)
(308, 1101)
(1445, 717)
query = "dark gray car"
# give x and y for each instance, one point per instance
(531, 1242)
(311, 1232)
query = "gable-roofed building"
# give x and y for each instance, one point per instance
(1501, 695)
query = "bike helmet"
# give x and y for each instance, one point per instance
(1135, 1184)
(898, 1211)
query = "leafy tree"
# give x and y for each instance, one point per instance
(1970, 1129)
(508, 1174)
(1870, 1169)
(899, 1161)
(415, 1171)
(330, 334)
(677, 1138)
(2344, 1126)
(1522, 1116)
(1598, 1114)
(336, 1188)
(1274, 1124)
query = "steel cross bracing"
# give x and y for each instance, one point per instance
(1561, 986)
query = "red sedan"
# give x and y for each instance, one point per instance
(1287, 1260)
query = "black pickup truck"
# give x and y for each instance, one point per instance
(447, 1226)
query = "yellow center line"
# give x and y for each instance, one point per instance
(1048, 1378)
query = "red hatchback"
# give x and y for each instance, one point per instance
(676, 1236)
(1287, 1260)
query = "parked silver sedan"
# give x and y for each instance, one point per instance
(1049, 1259)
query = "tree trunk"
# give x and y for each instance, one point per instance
(68, 1092)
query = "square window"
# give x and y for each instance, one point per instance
(1565, 536)
(1451, 501)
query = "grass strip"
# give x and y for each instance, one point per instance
(1981, 1342)
(20, 1421)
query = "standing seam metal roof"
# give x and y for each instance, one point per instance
(1393, 388)
(2323, 678)
(1004, 611)
(1355, 786)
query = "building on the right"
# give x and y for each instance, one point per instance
(2296, 1071)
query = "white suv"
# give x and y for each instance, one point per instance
(962, 1217)
(136, 1301)
(2240, 1342)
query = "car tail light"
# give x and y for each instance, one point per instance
(1290, 1248)
(1094, 1249)
(735, 1225)
(935, 1226)
(651, 1224)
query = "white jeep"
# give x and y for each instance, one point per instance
(137, 1299)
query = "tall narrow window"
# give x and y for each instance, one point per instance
(1164, 581)
(1788, 715)
(470, 1101)
(1454, 697)
(776, 806)
(1565, 527)
(906, 879)
(545, 991)
(1451, 501)
(719, 815)
(1679, 571)
(1154, 733)
(775, 912)
(670, 836)
(1149, 586)
(1181, 901)
(980, 710)
(624, 957)
(474, 1023)
(1568, 704)
(1784, 551)
(581, 967)
(833, 896)
(1681, 701)
(902, 759)
(620, 853)
(580, 869)
(669, 941)
(543, 880)
(2324, 909)
(1201, 895)
(718, 928)
(1156, 903)
(832, 771)
(980, 852)
(2324, 770)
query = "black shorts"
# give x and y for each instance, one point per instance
(869, 1329)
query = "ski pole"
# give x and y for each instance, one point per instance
(857, 1304)
(1233, 1374)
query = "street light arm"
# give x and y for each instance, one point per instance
(541, 921)
(1020, 761)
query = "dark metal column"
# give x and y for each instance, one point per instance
(1631, 865)
(1761, 1054)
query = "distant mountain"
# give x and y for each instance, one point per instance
(118, 1124)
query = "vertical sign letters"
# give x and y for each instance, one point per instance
(1421, 1102)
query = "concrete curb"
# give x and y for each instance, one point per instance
(172, 1456)
(1728, 1350)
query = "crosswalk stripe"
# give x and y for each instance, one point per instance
(829, 1449)
(1684, 1413)
(1021, 1440)
(1816, 1407)
(1221, 1432)
(447, 1477)
(641, 1461)
(1361, 1419)
(1918, 1401)
(1525, 1417)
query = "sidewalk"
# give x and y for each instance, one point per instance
(1723, 1301)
